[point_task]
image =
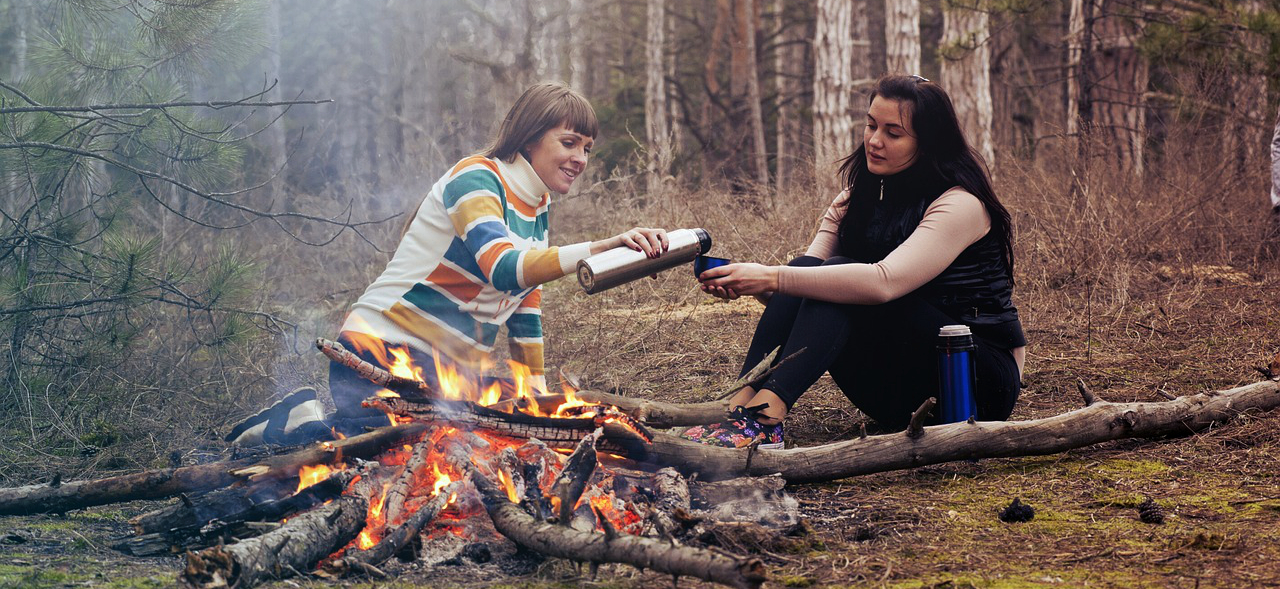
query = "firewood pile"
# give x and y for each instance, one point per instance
(583, 476)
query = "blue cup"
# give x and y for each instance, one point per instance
(703, 263)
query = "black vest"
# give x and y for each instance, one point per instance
(976, 289)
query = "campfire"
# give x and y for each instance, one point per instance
(555, 473)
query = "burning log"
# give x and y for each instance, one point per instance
(622, 435)
(655, 414)
(376, 374)
(399, 537)
(596, 548)
(297, 545)
(1101, 421)
(575, 475)
(158, 484)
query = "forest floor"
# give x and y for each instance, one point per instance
(935, 526)
(1129, 331)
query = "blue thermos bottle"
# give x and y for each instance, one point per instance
(956, 373)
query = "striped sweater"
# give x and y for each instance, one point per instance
(471, 262)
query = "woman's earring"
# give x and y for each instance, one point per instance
(882, 189)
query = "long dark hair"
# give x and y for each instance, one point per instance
(944, 158)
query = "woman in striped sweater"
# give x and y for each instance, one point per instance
(475, 254)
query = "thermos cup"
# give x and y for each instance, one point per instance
(621, 265)
(956, 373)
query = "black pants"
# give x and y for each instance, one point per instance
(882, 357)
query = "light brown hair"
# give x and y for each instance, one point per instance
(539, 109)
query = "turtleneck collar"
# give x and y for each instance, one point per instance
(522, 179)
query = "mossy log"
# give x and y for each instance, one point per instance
(1100, 421)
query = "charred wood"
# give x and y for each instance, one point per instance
(396, 538)
(158, 484)
(1102, 421)
(295, 546)
(575, 475)
(596, 548)
(238, 524)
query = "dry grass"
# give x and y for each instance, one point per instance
(1133, 285)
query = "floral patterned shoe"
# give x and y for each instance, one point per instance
(739, 431)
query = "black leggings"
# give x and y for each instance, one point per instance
(882, 357)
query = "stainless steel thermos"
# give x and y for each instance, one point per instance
(956, 373)
(621, 265)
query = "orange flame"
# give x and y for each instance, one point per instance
(571, 401)
(509, 486)
(310, 475)
(442, 480)
(491, 395)
(366, 540)
(403, 365)
(452, 384)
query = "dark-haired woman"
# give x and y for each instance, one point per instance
(917, 240)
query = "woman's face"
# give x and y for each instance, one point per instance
(559, 156)
(889, 140)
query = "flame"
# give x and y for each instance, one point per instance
(337, 435)
(387, 394)
(452, 384)
(621, 520)
(491, 395)
(571, 401)
(310, 475)
(527, 387)
(509, 486)
(442, 480)
(365, 541)
(403, 365)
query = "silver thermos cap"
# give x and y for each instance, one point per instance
(621, 265)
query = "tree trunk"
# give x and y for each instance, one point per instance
(748, 19)
(277, 148)
(578, 48)
(788, 59)
(1120, 83)
(832, 89)
(657, 127)
(902, 36)
(966, 72)
(1245, 133)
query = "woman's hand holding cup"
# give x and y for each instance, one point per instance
(734, 280)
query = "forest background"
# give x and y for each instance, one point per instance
(164, 265)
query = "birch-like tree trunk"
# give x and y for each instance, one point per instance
(966, 71)
(578, 47)
(277, 149)
(748, 18)
(657, 128)
(788, 60)
(832, 88)
(902, 36)
(1079, 68)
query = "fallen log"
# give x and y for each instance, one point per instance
(297, 545)
(226, 526)
(596, 548)
(158, 484)
(1100, 421)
